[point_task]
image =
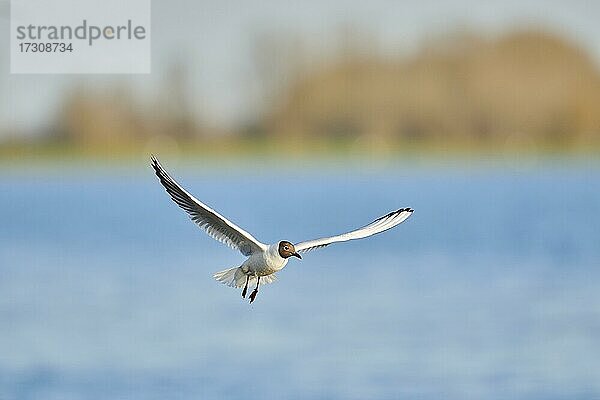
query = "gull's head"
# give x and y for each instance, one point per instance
(286, 250)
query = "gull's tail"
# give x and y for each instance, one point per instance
(235, 277)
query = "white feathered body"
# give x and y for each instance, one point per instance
(264, 263)
(261, 263)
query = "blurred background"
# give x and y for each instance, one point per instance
(482, 116)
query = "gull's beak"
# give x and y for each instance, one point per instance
(297, 255)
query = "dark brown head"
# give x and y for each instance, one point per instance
(286, 250)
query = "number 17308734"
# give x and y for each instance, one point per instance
(45, 47)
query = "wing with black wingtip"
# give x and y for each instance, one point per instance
(381, 224)
(214, 224)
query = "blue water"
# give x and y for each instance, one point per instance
(489, 291)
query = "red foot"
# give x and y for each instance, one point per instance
(253, 295)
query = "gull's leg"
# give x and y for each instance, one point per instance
(255, 291)
(245, 287)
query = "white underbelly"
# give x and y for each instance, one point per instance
(263, 265)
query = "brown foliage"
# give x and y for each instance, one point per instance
(525, 86)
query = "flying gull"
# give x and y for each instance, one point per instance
(263, 260)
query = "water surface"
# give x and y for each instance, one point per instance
(490, 290)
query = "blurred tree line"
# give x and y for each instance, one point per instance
(522, 89)
(525, 89)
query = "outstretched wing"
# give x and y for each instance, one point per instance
(217, 226)
(381, 224)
